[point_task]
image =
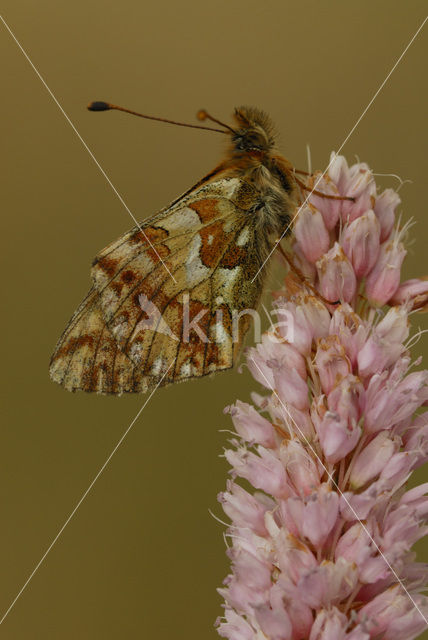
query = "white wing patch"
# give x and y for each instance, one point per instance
(196, 272)
(187, 219)
(243, 237)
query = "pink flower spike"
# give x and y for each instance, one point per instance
(384, 209)
(383, 280)
(336, 275)
(360, 241)
(321, 545)
(413, 292)
(311, 233)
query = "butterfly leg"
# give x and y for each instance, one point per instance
(303, 186)
(302, 278)
(303, 173)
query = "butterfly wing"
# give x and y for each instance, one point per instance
(169, 297)
(88, 358)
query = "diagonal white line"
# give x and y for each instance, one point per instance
(302, 435)
(18, 595)
(343, 144)
(84, 144)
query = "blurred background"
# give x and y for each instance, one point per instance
(143, 555)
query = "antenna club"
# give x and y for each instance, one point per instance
(202, 114)
(99, 106)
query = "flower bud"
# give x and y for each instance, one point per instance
(413, 292)
(302, 470)
(372, 460)
(338, 171)
(383, 280)
(336, 275)
(385, 344)
(394, 327)
(251, 425)
(337, 437)
(299, 259)
(329, 583)
(269, 354)
(331, 362)
(360, 242)
(347, 325)
(291, 388)
(313, 517)
(293, 326)
(330, 624)
(360, 186)
(264, 471)
(391, 614)
(274, 623)
(243, 508)
(317, 316)
(384, 209)
(329, 208)
(311, 233)
(344, 399)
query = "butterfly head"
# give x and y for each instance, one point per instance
(255, 132)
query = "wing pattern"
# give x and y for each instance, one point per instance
(166, 298)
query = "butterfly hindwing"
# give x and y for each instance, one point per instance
(166, 296)
(89, 359)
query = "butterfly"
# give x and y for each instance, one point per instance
(171, 299)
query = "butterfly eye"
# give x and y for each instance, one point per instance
(239, 143)
(244, 143)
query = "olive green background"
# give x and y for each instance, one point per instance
(142, 556)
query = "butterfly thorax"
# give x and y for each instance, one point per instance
(252, 157)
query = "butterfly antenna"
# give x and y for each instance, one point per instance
(204, 115)
(106, 106)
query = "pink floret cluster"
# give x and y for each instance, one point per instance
(322, 524)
